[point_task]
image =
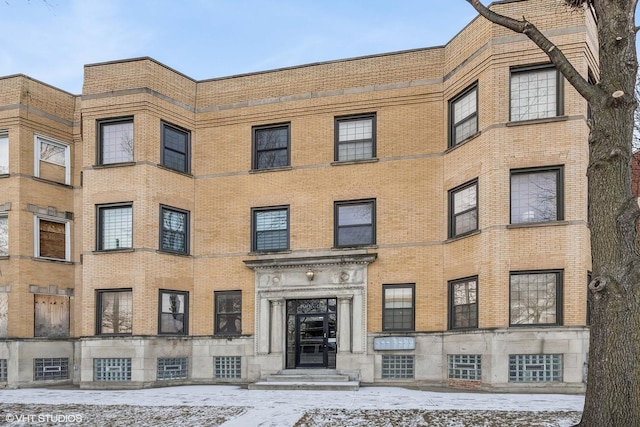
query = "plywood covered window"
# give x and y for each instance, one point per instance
(52, 239)
(51, 316)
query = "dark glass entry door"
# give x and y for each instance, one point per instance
(311, 333)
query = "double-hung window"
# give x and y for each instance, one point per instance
(52, 160)
(4, 152)
(355, 223)
(173, 313)
(52, 239)
(176, 144)
(355, 137)
(270, 229)
(463, 209)
(271, 147)
(398, 311)
(174, 230)
(115, 226)
(463, 303)
(535, 93)
(114, 311)
(536, 195)
(115, 141)
(463, 115)
(228, 312)
(536, 298)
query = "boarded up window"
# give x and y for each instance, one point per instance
(52, 239)
(52, 160)
(51, 314)
(4, 311)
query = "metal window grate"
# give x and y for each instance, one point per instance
(396, 366)
(3, 370)
(51, 368)
(535, 367)
(112, 369)
(227, 367)
(465, 366)
(173, 368)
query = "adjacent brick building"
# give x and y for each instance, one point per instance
(414, 217)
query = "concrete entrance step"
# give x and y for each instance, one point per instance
(307, 379)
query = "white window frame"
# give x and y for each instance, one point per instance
(4, 169)
(36, 237)
(37, 141)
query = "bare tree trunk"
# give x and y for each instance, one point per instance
(613, 386)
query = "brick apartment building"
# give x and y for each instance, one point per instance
(414, 217)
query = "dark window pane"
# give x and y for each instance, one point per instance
(175, 148)
(228, 306)
(271, 146)
(355, 224)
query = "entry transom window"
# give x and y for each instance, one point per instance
(463, 305)
(270, 229)
(463, 209)
(536, 298)
(115, 141)
(228, 315)
(114, 312)
(174, 312)
(52, 160)
(532, 368)
(398, 311)
(355, 223)
(174, 231)
(4, 234)
(4, 152)
(536, 195)
(463, 116)
(115, 226)
(271, 146)
(52, 240)
(535, 93)
(175, 147)
(355, 137)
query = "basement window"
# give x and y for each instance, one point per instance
(51, 368)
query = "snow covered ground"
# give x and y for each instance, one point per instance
(231, 406)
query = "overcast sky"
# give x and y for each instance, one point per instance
(51, 40)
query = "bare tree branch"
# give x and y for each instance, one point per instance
(590, 92)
